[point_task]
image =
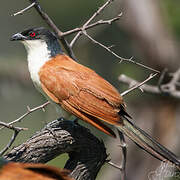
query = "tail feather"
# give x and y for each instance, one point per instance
(147, 143)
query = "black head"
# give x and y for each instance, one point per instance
(34, 34)
(43, 35)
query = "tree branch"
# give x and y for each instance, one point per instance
(87, 154)
(138, 85)
(18, 129)
(24, 10)
(13, 138)
(29, 111)
(124, 155)
(100, 22)
(51, 24)
(121, 58)
(89, 20)
(169, 88)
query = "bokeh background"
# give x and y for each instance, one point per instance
(148, 30)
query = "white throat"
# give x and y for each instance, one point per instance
(37, 55)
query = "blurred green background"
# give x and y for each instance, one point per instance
(148, 31)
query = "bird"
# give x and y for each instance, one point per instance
(24, 171)
(77, 90)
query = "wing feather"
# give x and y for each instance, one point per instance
(81, 91)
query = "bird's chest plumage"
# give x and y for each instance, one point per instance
(35, 62)
(36, 59)
(38, 55)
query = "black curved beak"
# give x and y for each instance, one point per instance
(18, 37)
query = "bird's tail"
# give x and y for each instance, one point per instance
(147, 143)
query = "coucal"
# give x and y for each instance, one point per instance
(78, 90)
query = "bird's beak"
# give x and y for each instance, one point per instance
(18, 37)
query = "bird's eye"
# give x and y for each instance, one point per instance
(33, 34)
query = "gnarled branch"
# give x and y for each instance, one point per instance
(87, 154)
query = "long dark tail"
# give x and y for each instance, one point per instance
(147, 143)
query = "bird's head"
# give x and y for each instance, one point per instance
(36, 38)
(34, 34)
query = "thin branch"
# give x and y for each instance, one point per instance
(29, 111)
(124, 155)
(166, 89)
(161, 78)
(131, 82)
(174, 80)
(13, 138)
(100, 22)
(51, 24)
(23, 10)
(98, 11)
(138, 85)
(90, 19)
(122, 167)
(9, 126)
(16, 132)
(121, 58)
(114, 165)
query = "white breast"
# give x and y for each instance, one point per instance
(38, 55)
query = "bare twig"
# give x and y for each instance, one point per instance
(23, 10)
(138, 85)
(131, 82)
(18, 129)
(161, 78)
(16, 132)
(29, 111)
(10, 142)
(124, 155)
(175, 78)
(100, 22)
(166, 89)
(114, 165)
(51, 24)
(9, 126)
(122, 167)
(121, 58)
(89, 20)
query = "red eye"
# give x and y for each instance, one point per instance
(32, 34)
